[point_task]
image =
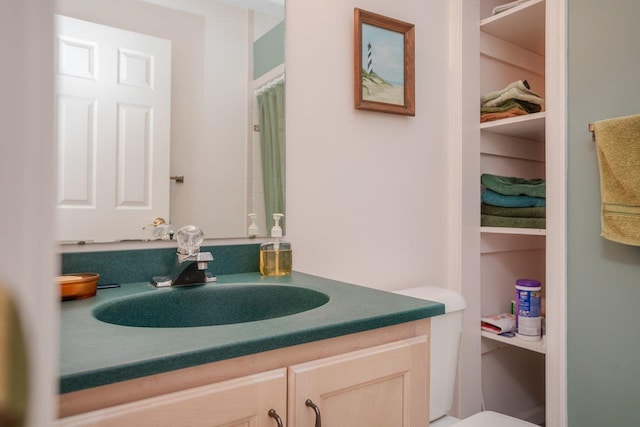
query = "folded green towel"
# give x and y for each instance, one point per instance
(496, 199)
(503, 221)
(513, 186)
(525, 106)
(530, 212)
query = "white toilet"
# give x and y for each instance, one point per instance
(445, 338)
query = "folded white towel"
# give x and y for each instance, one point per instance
(520, 84)
(515, 93)
(518, 90)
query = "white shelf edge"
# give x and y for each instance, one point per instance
(508, 230)
(537, 346)
(531, 126)
(513, 120)
(505, 15)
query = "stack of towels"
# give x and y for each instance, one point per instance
(513, 202)
(514, 100)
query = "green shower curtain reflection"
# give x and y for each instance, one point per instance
(272, 146)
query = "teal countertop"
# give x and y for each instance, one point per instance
(95, 353)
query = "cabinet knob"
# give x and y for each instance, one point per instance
(312, 405)
(274, 414)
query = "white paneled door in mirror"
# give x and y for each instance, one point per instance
(113, 104)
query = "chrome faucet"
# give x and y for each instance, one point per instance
(191, 264)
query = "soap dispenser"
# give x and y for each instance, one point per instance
(253, 229)
(276, 257)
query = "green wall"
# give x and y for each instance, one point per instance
(603, 277)
(268, 51)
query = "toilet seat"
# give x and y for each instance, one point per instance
(446, 421)
(492, 419)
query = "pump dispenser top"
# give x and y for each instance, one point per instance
(276, 230)
(276, 258)
(253, 230)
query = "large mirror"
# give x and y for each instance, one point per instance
(207, 152)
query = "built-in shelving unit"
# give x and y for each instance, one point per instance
(512, 47)
(519, 378)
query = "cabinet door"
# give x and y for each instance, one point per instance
(242, 402)
(381, 386)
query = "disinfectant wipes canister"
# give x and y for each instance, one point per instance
(527, 311)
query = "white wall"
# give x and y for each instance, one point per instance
(218, 163)
(262, 23)
(26, 189)
(367, 193)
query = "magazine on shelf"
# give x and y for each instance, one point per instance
(502, 323)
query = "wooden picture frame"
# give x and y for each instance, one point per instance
(384, 67)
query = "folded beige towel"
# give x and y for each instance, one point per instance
(618, 146)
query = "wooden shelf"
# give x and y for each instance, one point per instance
(523, 25)
(520, 231)
(531, 126)
(537, 346)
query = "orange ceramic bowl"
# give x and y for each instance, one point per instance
(78, 285)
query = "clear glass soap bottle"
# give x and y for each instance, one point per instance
(276, 257)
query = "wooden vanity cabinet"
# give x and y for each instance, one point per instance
(379, 385)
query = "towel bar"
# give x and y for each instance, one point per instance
(592, 130)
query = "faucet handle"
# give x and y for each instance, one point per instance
(189, 239)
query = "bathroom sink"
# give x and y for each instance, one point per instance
(209, 305)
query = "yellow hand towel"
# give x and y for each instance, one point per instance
(618, 146)
(13, 365)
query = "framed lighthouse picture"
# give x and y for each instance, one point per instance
(384, 69)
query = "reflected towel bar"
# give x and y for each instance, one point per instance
(592, 130)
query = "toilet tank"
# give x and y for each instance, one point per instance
(446, 331)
